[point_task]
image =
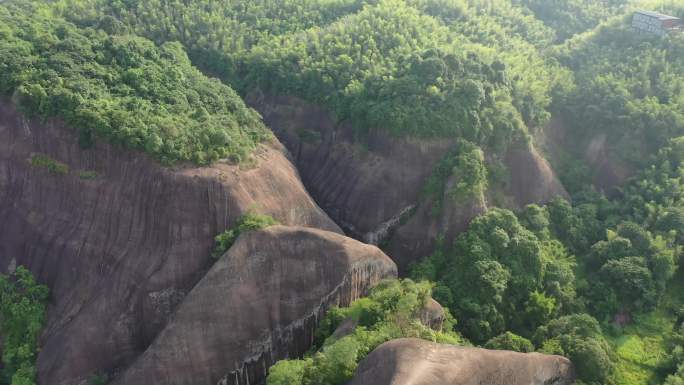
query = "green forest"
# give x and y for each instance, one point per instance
(122, 88)
(594, 277)
(22, 316)
(392, 310)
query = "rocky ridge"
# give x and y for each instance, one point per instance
(124, 244)
(259, 303)
(373, 187)
(119, 239)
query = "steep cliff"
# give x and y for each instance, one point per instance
(117, 238)
(363, 187)
(419, 362)
(606, 166)
(259, 303)
(531, 178)
(373, 187)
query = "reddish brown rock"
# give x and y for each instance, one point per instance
(417, 237)
(608, 171)
(365, 186)
(432, 315)
(531, 179)
(120, 251)
(372, 188)
(418, 362)
(259, 303)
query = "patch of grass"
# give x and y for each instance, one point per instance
(638, 357)
(309, 136)
(99, 379)
(642, 347)
(51, 165)
(248, 222)
(87, 175)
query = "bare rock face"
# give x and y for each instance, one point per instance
(608, 171)
(417, 237)
(259, 303)
(432, 315)
(531, 178)
(373, 190)
(364, 188)
(418, 362)
(120, 240)
(346, 328)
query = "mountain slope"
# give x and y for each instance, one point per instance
(118, 239)
(259, 303)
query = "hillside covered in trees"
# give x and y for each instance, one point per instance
(593, 275)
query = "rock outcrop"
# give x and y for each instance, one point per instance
(416, 238)
(432, 315)
(259, 303)
(418, 362)
(372, 188)
(608, 172)
(120, 240)
(365, 186)
(531, 179)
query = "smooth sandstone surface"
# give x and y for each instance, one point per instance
(120, 251)
(259, 303)
(373, 187)
(411, 361)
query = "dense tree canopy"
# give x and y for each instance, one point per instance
(121, 87)
(629, 86)
(392, 310)
(22, 315)
(419, 67)
(464, 169)
(568, 277)
(570, 17)
(510, 341)
(580, 338)
(564, 275)
(496, 274)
